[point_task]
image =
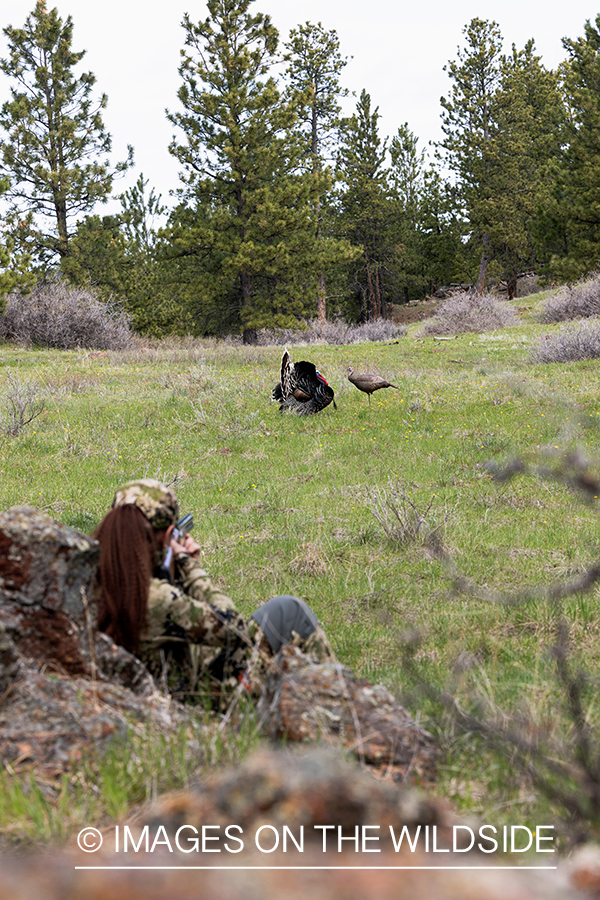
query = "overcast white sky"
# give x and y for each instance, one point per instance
(398, 53)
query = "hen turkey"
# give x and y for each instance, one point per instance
(368, 383)
(302, 388)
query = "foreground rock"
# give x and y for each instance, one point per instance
(272, 789)
(295, 788)
(46, 566)
(55, 879)
(304, 702)
(65, 689)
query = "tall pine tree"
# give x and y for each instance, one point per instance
(469, 128)
(365, 211)
(244, 236)
(576, 218)
(55, 147)
(314, 67)
(502, 130)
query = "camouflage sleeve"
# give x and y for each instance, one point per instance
(196, 583)
(173, 614)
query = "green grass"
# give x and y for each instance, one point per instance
(281, 503)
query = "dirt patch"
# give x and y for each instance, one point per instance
(405, 314)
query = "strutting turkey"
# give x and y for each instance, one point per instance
(368, 383)
(302, 388)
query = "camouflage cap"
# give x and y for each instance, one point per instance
(155, 500)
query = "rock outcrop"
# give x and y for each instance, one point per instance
(295, 787)
(305, 702)
(64, 687)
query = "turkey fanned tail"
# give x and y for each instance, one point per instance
(302, 388)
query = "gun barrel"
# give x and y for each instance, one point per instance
(185, 523)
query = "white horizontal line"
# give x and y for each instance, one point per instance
(336, 868)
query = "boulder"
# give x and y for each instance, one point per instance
(47, 722)
(295, 787)
(64, 687)
(303, 702)
(47, 565)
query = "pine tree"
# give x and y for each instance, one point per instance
(314, 67)
(502, 127)
(576, 220)
(366, 215)
(55, 147)
(121, 256)
(243, 235)
(141, 211)
(406, 179)
(442, 249)
(14, 267)
(528, 114)
(469, 127)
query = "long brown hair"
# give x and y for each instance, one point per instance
(127, 558)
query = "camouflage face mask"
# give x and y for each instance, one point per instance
(156, 501)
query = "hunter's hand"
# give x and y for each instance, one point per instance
(188, 545)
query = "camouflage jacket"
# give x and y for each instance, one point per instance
(198, 647)
(195, 642)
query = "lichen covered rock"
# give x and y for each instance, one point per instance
(65, 689)
(46, 564)
(295, 787)
(303, 702)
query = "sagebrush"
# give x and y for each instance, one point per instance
(336, 331)
(63, 317)
(574, 342)
(470, 312)
(573, 301)
(20, 404)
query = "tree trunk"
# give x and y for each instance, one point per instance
(483, 265)
(322, 301)
(511, 286)
(249, 335)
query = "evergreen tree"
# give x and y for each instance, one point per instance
(575, 225)
(243, 236)
(442, 249)
(55, 147)
(469, 128)
(141, 211)
(365, 211)
(528, 113)
(502, 127)
(406, 179)
(314, 67)
(14, 267)
(121, 256)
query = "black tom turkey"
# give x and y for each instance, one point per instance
(302, 388)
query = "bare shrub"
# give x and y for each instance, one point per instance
(336, 332)
(573, 301)
(580, 341)
(21, 405)
(469, 312)
(64, 317)
(402, 521)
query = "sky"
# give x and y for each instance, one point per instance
(398, 52)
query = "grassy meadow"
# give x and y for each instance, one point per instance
(284, 504)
